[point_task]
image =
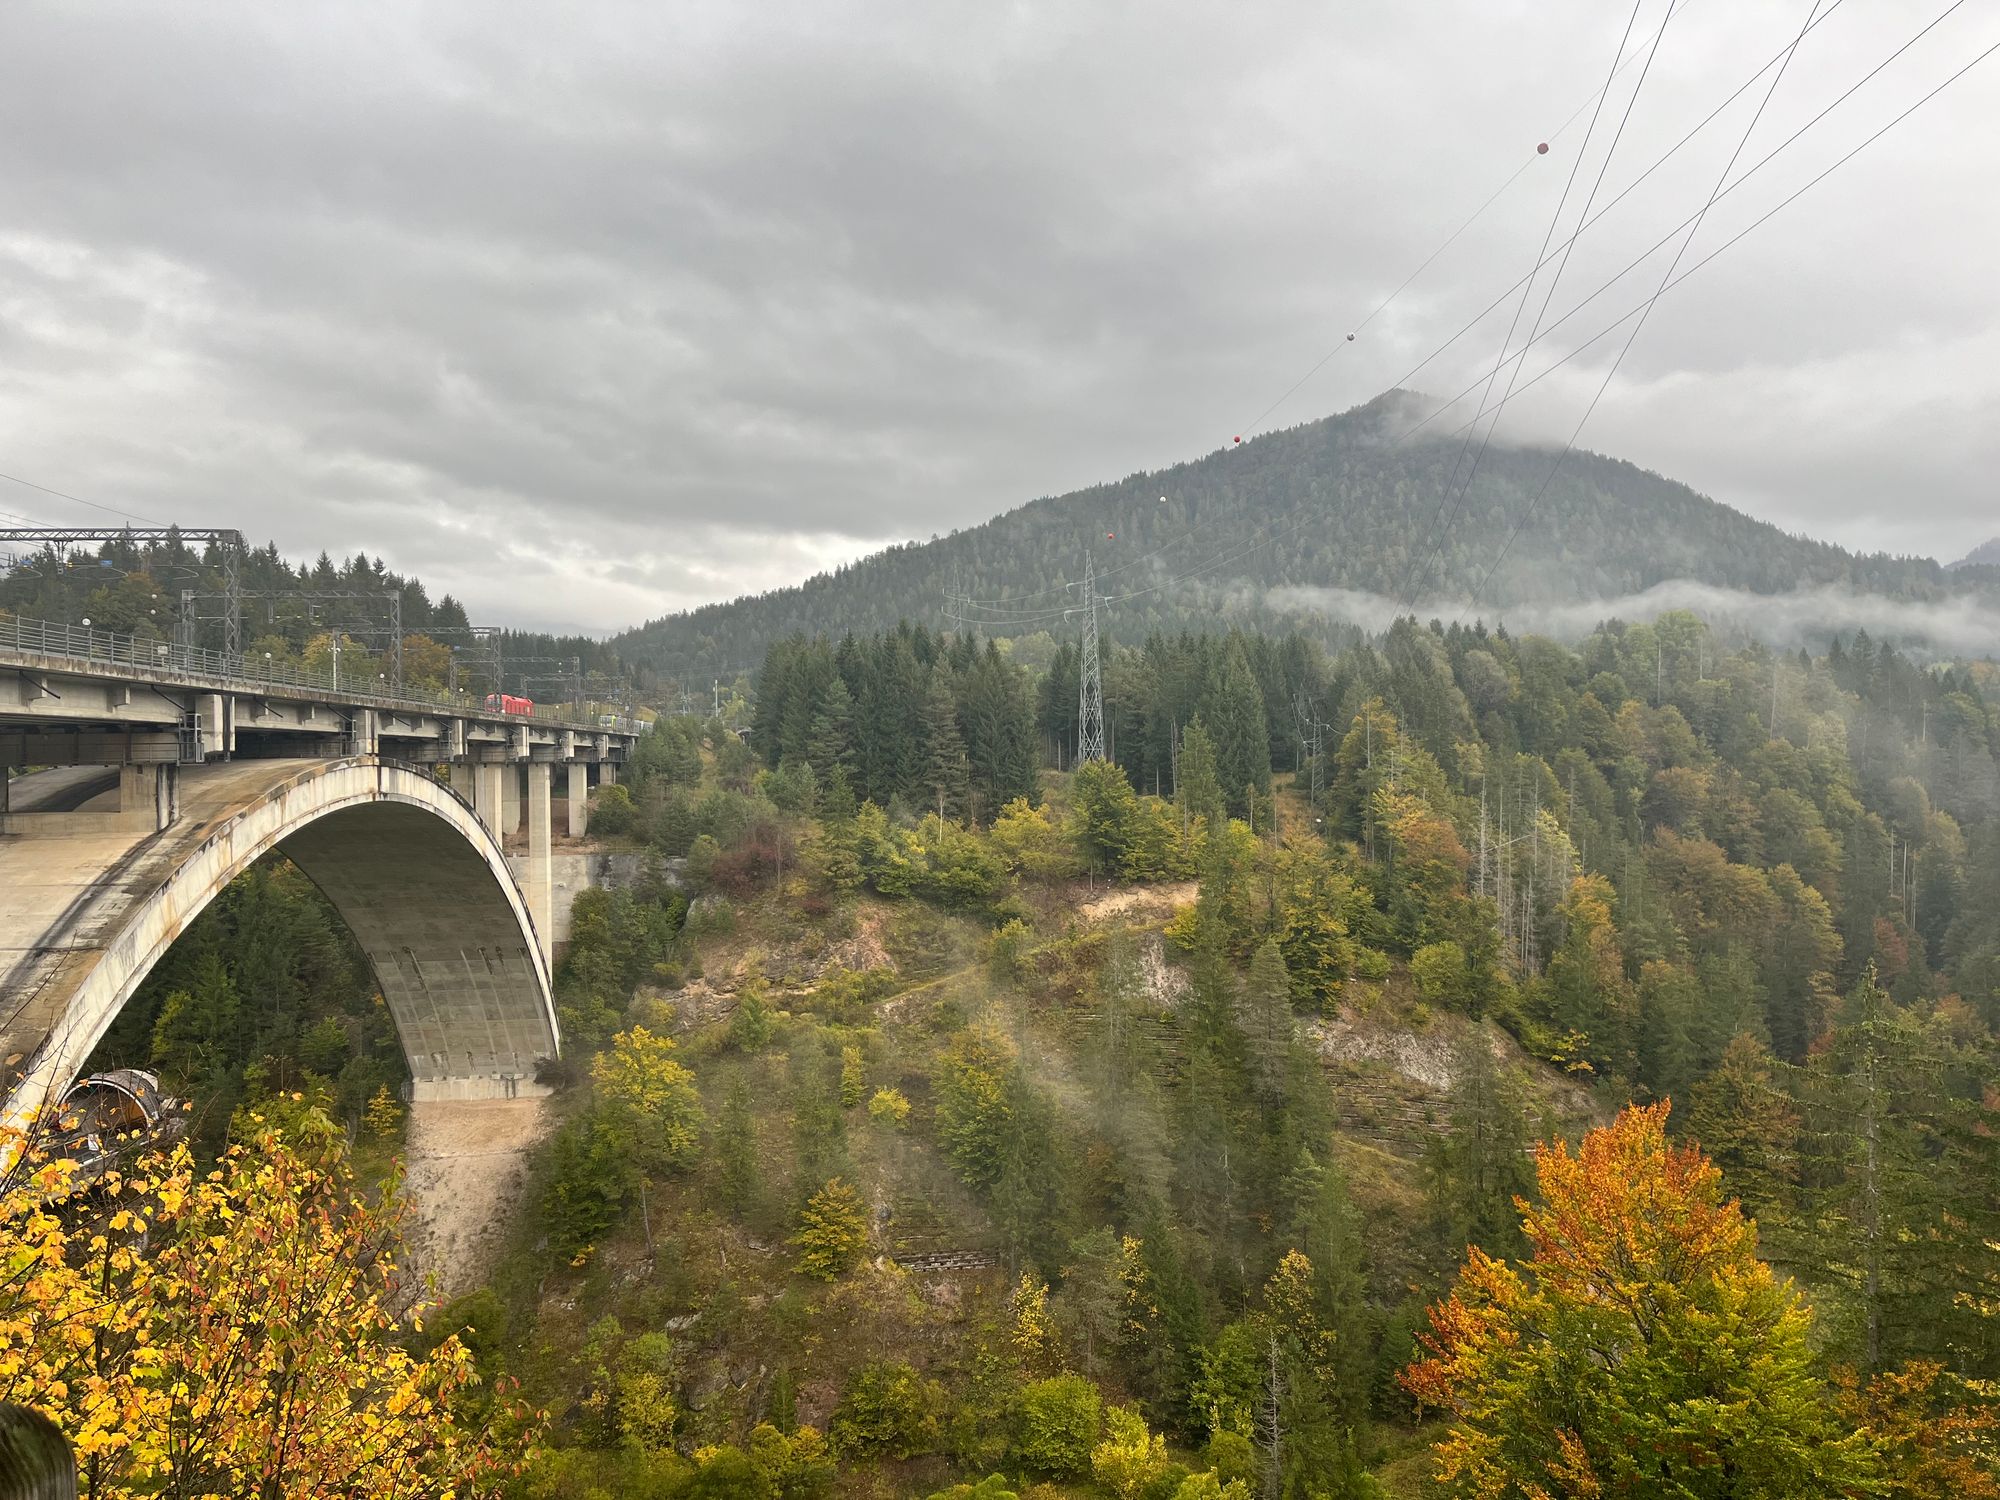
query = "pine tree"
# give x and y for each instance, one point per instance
(1898, 1157)
(1197, 782)
(1749, 1127)
(736, 1148)
(946, 772)
(1267, 1021)
(830, 748)
(819, 1131)
(853, 1078)
(1234, 714)
(1479, 1168)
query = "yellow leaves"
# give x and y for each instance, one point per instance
(1032, 1332)
(257, 1298)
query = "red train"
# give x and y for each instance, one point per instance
(507, 703)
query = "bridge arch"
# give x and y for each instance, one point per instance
(417, 877)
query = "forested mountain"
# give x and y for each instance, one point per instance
(290, 612)
(1985, 555)
(1337, 503)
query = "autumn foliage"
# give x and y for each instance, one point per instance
(230, 1332)
(1642, 1348)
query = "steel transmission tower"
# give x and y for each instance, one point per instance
(1090, 705)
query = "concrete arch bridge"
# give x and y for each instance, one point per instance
(89, 906)
(152, 775)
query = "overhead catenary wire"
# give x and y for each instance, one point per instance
(1644, 310)
(1245, 549)
(79, 500)
(1500, 362)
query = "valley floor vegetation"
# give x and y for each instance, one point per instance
(1460, 1066)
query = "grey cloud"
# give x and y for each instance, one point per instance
(678, 296)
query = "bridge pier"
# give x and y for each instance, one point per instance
(541, 879)
(487, 802)
(510, 802)
(579, 799)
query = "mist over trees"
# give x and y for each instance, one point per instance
(1333, 504)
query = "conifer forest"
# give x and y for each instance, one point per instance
(1444, 1063)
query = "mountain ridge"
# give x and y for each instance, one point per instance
(1336, 503)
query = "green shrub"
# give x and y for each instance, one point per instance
(1232, 1457)
(853, 1079)
(1007, 952)
(889, 1411)
(612, 814)
(1060, 1421)
(1131, 1460)
(1441, 974)
(890, 1107)
(589, 1174)
(992, 1487)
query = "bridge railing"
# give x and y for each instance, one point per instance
(85, 646)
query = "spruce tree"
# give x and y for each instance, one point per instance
(945, 769)
(1267, 1021)
(1234, 713)
(736, 1147)
(1197, 783)
(831, 746)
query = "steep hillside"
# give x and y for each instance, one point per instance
(1336, 503)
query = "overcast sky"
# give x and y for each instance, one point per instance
(589, 312)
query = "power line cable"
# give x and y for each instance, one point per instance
(1618, 198)
(1452, 238)
(1244, 549)
(1664, 239)
(1677, 229)
(1500, 361)
(1645, 309)
(994, 607)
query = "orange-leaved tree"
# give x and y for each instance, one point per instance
(230, 1332)
(1641, 1350)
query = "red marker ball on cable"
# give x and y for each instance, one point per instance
(1239, 437)
(1110, 536)
(1543, 149)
